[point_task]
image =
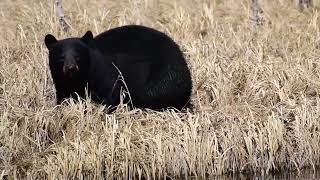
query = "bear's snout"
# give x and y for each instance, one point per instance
(70, 70)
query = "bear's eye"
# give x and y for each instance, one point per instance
(77, 58)
(60, 59)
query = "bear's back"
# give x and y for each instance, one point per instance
(134, 39)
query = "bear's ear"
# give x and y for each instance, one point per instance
(87, 38)
(50, 40)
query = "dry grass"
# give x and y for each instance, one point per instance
(256, 94)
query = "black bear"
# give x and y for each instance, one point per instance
(141, 60)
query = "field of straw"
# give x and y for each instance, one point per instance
(255, 92)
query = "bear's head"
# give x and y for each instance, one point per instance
(69, 58)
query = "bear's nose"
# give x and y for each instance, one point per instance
(70, 69)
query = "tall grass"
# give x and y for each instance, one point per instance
(256, 94)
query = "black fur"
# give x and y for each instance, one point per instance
(151, 63)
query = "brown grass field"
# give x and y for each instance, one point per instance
(256, 94)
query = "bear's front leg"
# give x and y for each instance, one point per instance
(60, 97)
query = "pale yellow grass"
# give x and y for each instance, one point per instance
(256, 94)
